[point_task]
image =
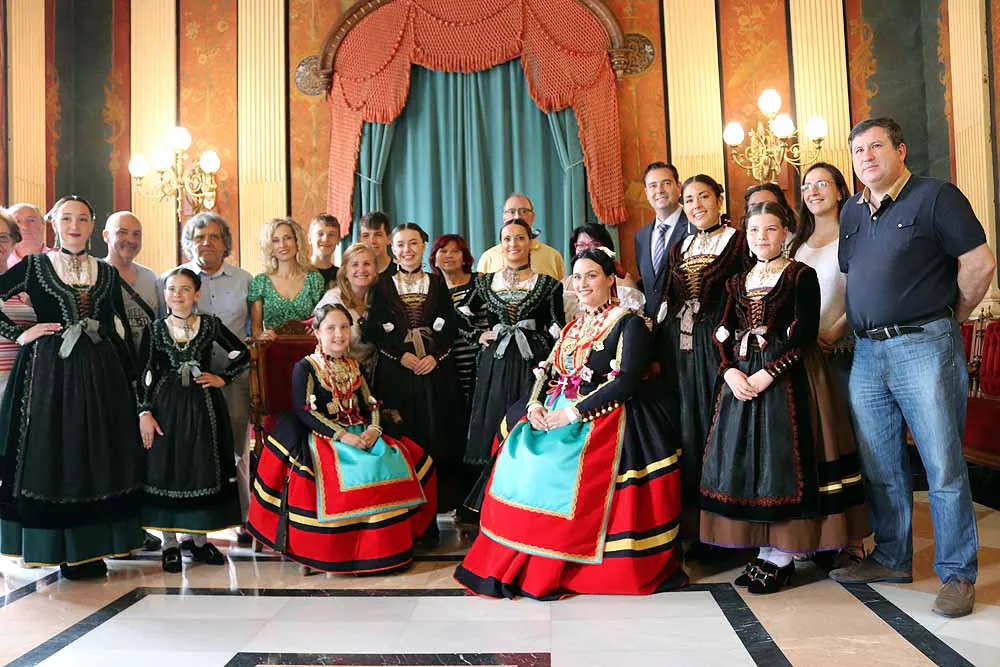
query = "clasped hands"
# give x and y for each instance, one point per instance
(747, 388)
(419, 366)
(363, 441)
(542, 419)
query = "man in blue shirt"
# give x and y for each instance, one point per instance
(917, 264)
(207, 242)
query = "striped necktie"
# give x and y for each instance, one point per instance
(659, 245)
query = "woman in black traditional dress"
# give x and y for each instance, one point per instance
(525, 313)
(331, 491)
(695, 295)
(70, 453)
(584, 495)
(190, 469)
(450, 257)
(413, 324)
(780, 470)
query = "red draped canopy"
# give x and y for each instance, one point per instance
(564, 55)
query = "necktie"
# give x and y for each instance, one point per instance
(659, 246)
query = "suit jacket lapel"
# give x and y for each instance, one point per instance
(642, 245)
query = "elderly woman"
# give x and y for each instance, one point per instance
(525, 313)
(593, 235)
(588, 467)
(413, 323)
(16, 308)
(289, 289)
(70, 454)
(353, 290)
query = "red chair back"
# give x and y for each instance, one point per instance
(989, 370)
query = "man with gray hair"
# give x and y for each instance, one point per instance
(207, 242)
(31, 224)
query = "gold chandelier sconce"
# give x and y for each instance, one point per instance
(773, 143)
(171, 177)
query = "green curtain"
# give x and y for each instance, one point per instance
(461, 145)
(376, 142)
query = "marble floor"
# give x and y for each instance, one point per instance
(261, 610)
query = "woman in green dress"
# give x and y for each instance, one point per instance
(289, 288)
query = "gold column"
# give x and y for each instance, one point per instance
(973, 131)
(819, 60)
(261, 86)
(694, 104)
(153, 115)
(26, 95)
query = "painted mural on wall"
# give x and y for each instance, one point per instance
(643, 122)
(207, 45)
(905, 74)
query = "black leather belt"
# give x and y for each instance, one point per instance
(893, 330)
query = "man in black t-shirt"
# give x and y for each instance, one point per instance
(917, 264)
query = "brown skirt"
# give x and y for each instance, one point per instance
(835, 447)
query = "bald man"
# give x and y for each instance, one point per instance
(544, 259)
(31, 224)
(123, 234)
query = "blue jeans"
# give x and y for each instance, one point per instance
(920, 378)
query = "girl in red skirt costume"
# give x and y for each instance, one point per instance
(331, 491)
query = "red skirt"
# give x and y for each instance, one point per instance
(283, 515)
(641, 547)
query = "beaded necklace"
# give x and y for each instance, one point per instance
(339, 375)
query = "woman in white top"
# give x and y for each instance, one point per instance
(352, 289)
(824, 192)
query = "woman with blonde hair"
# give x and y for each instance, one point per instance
(353, 290)
(289, 288)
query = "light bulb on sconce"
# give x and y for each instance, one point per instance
(733, 135)
(210, 162)
(138, 167)
(769, 102)
(180, 139)
(816, 128)
(783, 126)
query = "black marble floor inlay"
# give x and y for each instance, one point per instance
(16, 594)
(756, 640)
(407, 659)
(922, 639)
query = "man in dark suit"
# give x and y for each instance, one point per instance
(654, 241)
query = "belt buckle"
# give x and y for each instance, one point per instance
(885, 332)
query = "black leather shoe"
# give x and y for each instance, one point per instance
(208, 553)
(243, 538)
(769, 578)
(151, 542)
(94, 569)
(748, 572)
(171, 560)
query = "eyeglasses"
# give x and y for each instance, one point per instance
(819, 185)
(586, 245)
(516, 211)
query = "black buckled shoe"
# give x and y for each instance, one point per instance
(207, 553)
(171, 560)
(151, 542)
(94, 569)
(748, 572)
(769, 578)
